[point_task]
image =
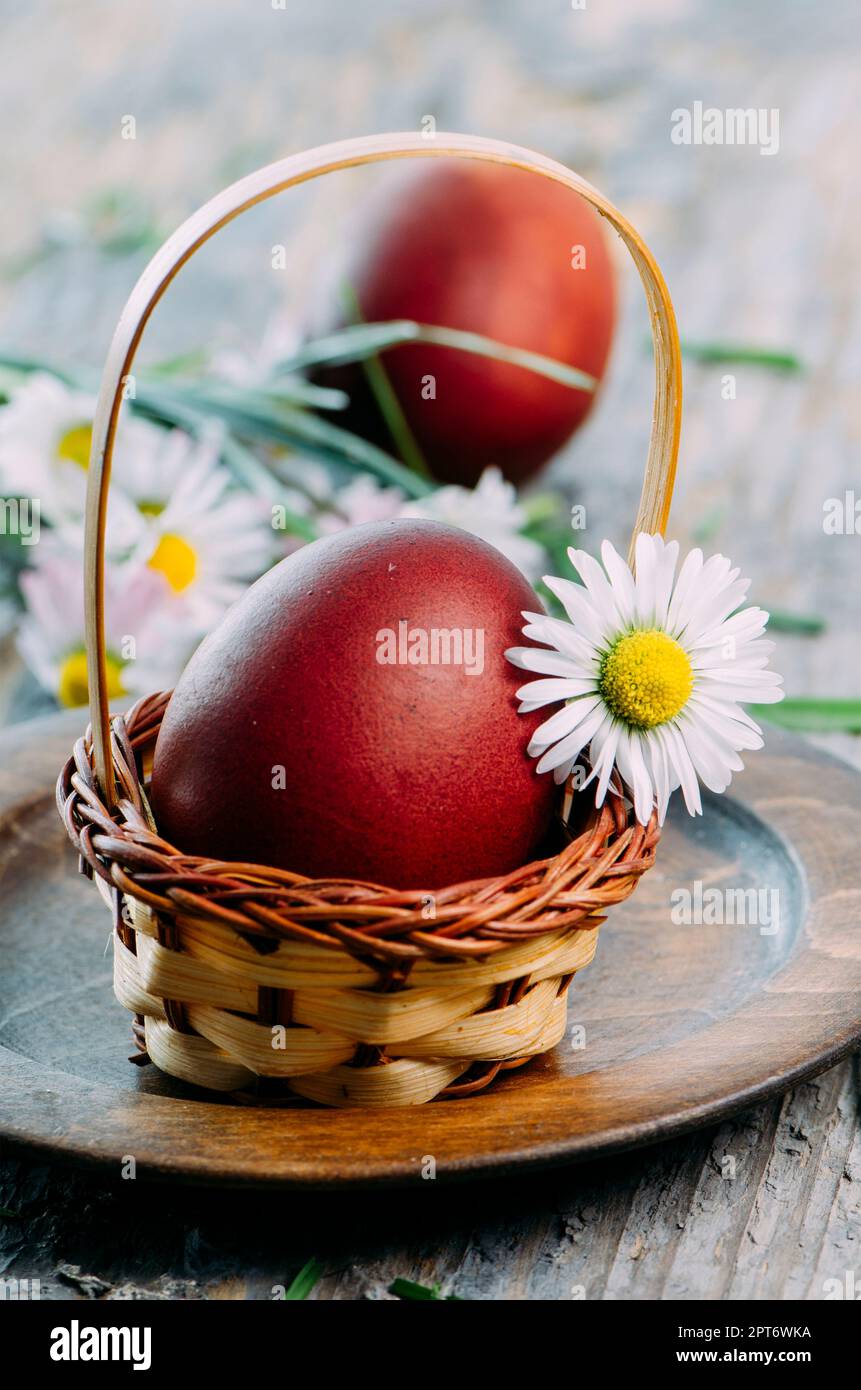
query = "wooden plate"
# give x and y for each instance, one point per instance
(682, 1024)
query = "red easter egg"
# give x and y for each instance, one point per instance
(354, 716)
(490, 250)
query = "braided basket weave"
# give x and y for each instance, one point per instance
(249, 979)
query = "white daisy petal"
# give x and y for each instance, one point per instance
(746, 687)
(727, 707)
(546, 663)
(563, 722)
(546, 692)
(713, 767)
(599, 587)
(685, 585)
(602, 754)
(577, 602)
(753, 656)
(713, 610)
(745, 626)
(622, 581)
(679, 758)
(664, 576)
(660, 773)
(646, 555)
(553, 632)
(644, 792)
(569, 748)
(731, 729)
(608, 760)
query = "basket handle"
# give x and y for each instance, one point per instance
(255, 188)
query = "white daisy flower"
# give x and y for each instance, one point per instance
(332, 505)
(146, 648)
(45, 433)
(309, 484)
(653, 672)
(174, 508)
(362, 500)
(492, 512)
(281, 339)
(45, 436)
(205, 538)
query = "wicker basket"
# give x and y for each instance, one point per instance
(248, 979)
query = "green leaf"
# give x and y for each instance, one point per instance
(298, 391)
(23, 363)
(386, 400)
(281, 393)
(804, 624)
(359, 341)
(306, 1280)
(185, 364)
(541, 509)
(248, 470)
(259, 415)
(743, 354)
(406, 1288)
(264, 416)
(549, 524)
(812, 715)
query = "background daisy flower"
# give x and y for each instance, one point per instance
(492, 512)
(206, 539)
(146, 648)
(363, 499)
(652, 672)
(45, 434)
(209, 541)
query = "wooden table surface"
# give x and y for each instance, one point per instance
(756, 249)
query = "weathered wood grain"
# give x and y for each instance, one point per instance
(657, 1224)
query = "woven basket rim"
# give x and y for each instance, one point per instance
(596, 869)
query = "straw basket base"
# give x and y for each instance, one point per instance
(230, 1051)
(257, 981)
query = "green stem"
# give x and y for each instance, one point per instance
(387, 402)
(306, 1280)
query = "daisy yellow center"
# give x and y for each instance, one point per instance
(646, 678)
(75, 445)
(72, 687)
(176, 560)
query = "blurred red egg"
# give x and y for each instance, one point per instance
(490, 250)
(354, 716)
